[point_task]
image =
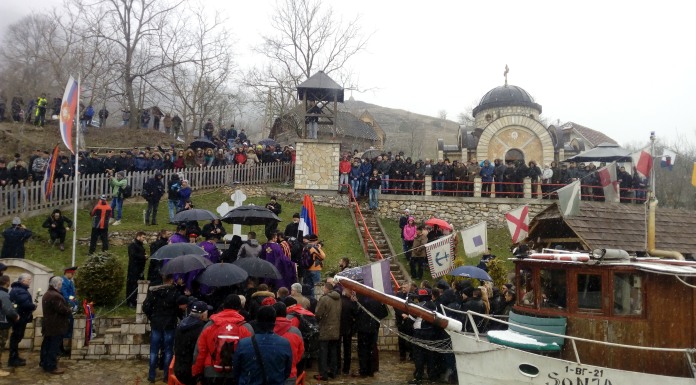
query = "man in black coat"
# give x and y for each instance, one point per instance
(57, 314)
(153, 270)
(136, 267)
(15, 237)
(153, 190)
(57, 226)
(161, 308)
(349, 309)
(368, 330)
(185, 340)
(20, 296)
(272, 227)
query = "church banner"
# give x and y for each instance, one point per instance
(440, 255)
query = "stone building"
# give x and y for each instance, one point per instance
(507, 125)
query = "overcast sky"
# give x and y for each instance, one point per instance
(623, 68)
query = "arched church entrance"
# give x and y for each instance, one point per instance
(513, 155)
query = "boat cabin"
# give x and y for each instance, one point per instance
(632, 301)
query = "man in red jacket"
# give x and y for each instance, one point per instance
(284, 329)
(100, 225)
(228, 323)
(343, 170)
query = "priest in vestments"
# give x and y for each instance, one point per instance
(272, 252)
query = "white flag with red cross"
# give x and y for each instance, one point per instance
(609, 182)
(518, 223)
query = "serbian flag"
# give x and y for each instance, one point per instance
(67, 113)
(441, 256)
(518, 223)
(308, 218)
(378, 276)
(47, 185)
(475, 239)
(643, 162)
(668, 158)
(609, 182)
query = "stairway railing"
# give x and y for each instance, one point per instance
(367, 237)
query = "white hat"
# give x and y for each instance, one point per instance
(407, 211)
(16, 221)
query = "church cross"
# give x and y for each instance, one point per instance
(505, 73)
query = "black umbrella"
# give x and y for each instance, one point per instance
(194, 215)
(185, 263)
(267, 142)
(222, 274)
(177, 249)
(605, 152)
(202, 143)
(250, 215)
(257, 267)
(470, 272)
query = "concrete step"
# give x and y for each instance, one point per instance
(97, 341)
(113, 331)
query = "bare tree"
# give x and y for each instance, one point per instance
(442, 114)
(307, 37)
(145, 38)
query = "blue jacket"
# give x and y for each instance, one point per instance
(277, 360)
(354, 172)
(13, 247)
(141, 164)
(68, 290)
(487, 173)
(366, 169)
(20, 296)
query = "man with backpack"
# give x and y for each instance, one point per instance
(306, 322)
(218, 341)
(284, 328)
(265, 358)
(312, 262)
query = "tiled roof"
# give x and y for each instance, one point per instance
(603, 225)
(593, 137)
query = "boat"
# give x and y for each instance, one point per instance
(582, 318)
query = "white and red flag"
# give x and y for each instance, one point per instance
(518, 223)
(609, 182)
(643, 162)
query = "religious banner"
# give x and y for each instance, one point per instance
(475, 239)
(378, 276)
(440, 255)
(518, 223)
(569, 199)
(609, 182)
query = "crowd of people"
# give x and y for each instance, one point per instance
(398, 174)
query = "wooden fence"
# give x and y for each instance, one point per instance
(20, 200)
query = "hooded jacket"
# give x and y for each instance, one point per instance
(164, 314)
(250, 249)
(7, 311)
(410, 231)
(202, 355)
(185, 343)
(328, 315)
(284, 328)
(20, 296)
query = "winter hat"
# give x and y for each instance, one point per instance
(268, 301)
(16, 221)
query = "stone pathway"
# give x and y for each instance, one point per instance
(132, 372)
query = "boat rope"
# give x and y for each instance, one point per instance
(684, 282)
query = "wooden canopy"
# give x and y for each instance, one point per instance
(601, 225)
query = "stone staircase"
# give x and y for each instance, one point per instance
(377, 232)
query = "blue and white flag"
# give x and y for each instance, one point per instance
(440, 255)
(378, 276)
(475, 239)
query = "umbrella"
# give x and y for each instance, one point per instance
(176, 249)
(202, 143)
(250, 215)
(194, 215)
(439, 223)
(471, 272)
(371, 154)
(605, 152)
(222, 274)
(267, 142)
(257, 267)
(185, 263)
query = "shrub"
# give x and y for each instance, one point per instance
(100, 280)
(498, 271)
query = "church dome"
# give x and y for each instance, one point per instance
(506, 96)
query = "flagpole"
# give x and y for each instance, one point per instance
(76, 178)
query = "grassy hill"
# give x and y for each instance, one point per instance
(336, 230)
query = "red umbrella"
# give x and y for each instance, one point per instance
(439, 223)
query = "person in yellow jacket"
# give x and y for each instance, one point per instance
(41, 104)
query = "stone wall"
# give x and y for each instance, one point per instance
(316, 166)
(460, 212)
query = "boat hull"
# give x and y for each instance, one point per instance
(480, 362)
